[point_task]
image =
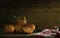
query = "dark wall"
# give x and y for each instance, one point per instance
(44, 13)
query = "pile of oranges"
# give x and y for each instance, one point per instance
(21, 26)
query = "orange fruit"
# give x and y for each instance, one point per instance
(29, 28)
(9, 28)
(18, 28)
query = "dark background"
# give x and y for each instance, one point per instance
(43, 13)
